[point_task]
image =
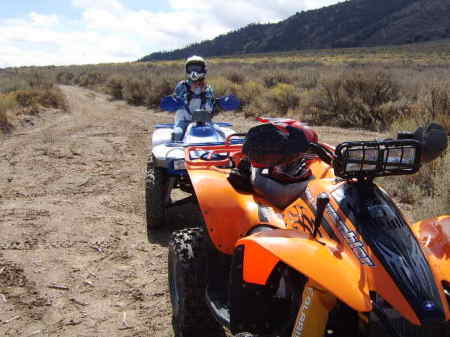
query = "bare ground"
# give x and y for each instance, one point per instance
(74, 257)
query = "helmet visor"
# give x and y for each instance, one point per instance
(195, 67)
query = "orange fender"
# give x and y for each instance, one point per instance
(333, 268)
(229, 215)
(434, 237)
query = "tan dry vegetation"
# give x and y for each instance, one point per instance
(27, 94)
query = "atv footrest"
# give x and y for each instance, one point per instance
(219, 308)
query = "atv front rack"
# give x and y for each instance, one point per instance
(377, 158)
(212, 156)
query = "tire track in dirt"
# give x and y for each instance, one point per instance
(74, 257)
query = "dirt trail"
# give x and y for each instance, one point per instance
(74, 258)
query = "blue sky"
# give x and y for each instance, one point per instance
(21, 8)
(65, 32)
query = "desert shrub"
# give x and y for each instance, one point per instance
(250, 91)
(369, 99)
(277, 101)
(223, 86)
(38, 80)
(115, 85)
(258, 106)
(7, 104)
(161, 88)
(13, 84)
(373, 88)
(282, 98)
(427, 190)
(27, 98)
(34, 99)
(90, 79)
(307, 79)
(136, 91)
(434, 104)
(236, 77)
(65, 77)
(273, 78)
(53, 98)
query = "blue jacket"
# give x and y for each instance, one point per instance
(182, 92)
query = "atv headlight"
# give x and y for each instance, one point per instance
(401, 156)
(362, 160)
(179, 164)
(377, 158)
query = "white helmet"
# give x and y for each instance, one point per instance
(196, 68)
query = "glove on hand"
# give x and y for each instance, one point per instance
(434, 141)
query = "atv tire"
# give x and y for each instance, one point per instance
(187, 285)
(156, 182)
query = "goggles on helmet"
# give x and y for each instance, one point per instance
(196, 77)
(195, 67)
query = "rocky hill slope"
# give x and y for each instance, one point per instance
(353, 23)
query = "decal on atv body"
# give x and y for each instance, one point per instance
(393, 243)
(310, 202)
(351, 238)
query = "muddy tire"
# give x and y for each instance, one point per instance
(156, 182)
(187, 285)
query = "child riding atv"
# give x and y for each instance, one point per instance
(194, 92)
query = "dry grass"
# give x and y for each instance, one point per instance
(27, 93)
(427, 190)
(7, 105)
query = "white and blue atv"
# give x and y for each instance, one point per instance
(165, 166)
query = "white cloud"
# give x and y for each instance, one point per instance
(108, 31)
(43, 20)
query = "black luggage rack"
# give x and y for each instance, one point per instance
(370, 159)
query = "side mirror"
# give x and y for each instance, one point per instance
(171, 104)
(434, 141)
(228, 103)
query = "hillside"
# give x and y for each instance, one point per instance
(354, 23)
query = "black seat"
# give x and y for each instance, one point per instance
(279, 194)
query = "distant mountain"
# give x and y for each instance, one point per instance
(353, 23)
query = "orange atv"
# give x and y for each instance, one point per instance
(329, 255)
